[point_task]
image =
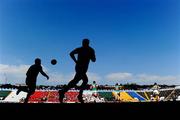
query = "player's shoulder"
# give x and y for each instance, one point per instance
(37, 66)
(90, 48)
(78, 48)
(32, 66)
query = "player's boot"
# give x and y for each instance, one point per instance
(18, 91)
(26, 100)
(80, 98)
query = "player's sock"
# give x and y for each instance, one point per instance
(18, 91)
(61, 96)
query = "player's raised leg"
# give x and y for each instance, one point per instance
(71, 84)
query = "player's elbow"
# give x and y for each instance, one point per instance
(93, 60)
(71, 54)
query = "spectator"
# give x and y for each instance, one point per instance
(155, 89)
(116, 87)
(94, 87)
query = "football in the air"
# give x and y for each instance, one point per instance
(53, 61)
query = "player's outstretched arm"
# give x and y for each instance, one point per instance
(44, 74)
(93, 57)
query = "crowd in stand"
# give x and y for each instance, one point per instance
(99, 87)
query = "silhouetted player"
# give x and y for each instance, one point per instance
(31, 79)
(85, 54)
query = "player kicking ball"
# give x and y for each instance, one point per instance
(31, 78)
(85, 54)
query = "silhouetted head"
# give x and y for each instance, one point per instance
(85, 42)
(94, 82)
(37, 61)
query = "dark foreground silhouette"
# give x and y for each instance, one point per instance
(85, 54)
(141, 110)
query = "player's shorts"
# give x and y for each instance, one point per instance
(31, 84)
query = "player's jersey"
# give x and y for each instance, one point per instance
(34, 70)
(85, 54)
(116, 87)
(155, 87)
(94, 87)
(32, 73)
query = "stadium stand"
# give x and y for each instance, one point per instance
(178, 98)
(38, 97)
(144, 94)
(147, 95)
(53, 97)
(4, 94)
(165, 93)
(134, 95)
(107, 96)
(125, 97)
(116, 95)
(71, 97)
(90, 97)
(12, 97)
(177, 91)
